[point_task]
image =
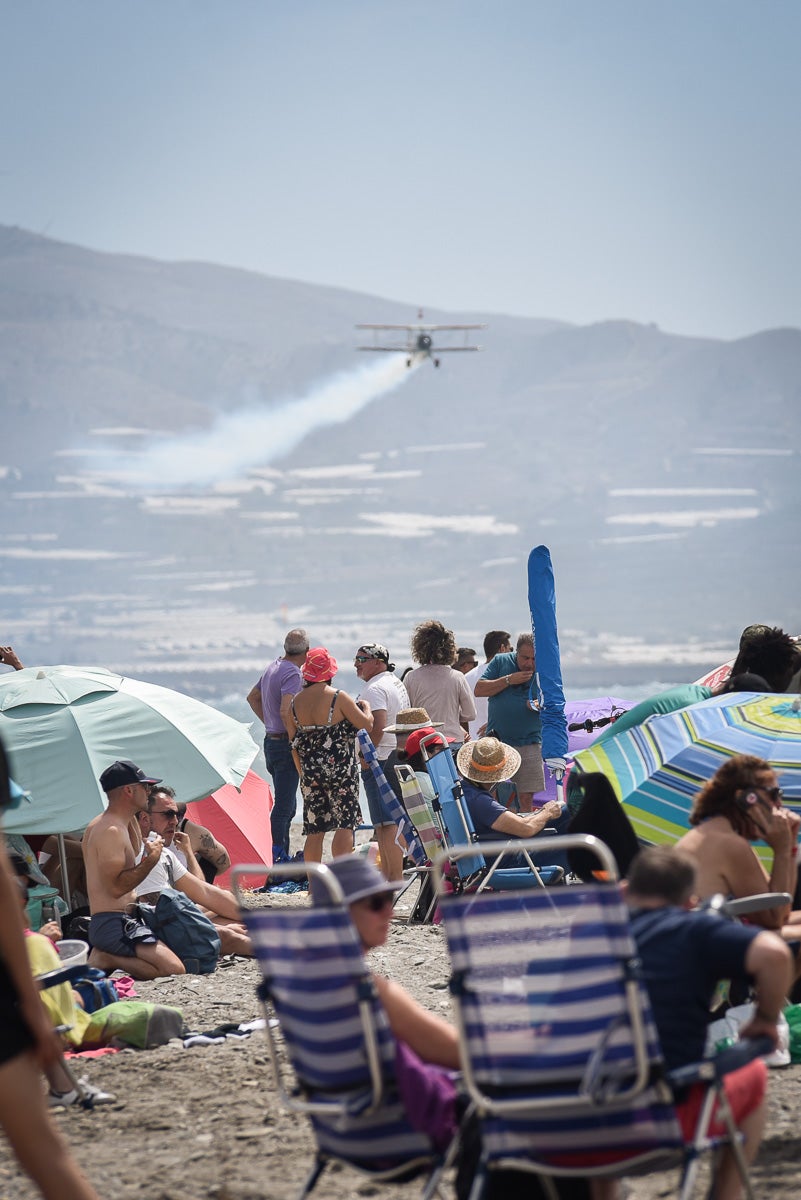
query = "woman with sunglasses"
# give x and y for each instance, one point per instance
(28, 1045)
(370, 897)
(740, 804)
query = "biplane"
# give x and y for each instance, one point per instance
(419, 343)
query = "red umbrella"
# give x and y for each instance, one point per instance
(241, 821)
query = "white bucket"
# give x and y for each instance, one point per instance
(72, 952)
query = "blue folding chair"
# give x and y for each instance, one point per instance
(560, 1053)
(336, 1034)
(457, 830)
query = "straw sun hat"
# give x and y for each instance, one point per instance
(487, 760)
(409, 719)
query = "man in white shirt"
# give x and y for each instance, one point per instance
(497, 641)
(220, 906)
(386, 696)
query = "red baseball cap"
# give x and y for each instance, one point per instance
(416, 736)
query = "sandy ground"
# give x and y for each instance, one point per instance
(204, 1122)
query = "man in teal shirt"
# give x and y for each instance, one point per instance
(511, 718)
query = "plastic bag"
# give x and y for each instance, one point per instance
(793, 1017)
(726, 1032)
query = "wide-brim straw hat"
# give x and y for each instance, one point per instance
(409, 719)
(487, 760)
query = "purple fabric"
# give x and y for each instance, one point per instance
(428, 1095)
(281, 679)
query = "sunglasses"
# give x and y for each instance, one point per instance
(776, 794)
(380, 902)
(362, 658)
(171, 814)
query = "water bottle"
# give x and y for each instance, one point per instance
(50, 912)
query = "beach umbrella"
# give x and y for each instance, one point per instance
(62, 726)
(657, 767)
(548, 675)
(240, 820)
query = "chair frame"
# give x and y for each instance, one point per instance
(475, 853)
(710, 1072)
(295, 1100)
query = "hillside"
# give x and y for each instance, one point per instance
(662, 472)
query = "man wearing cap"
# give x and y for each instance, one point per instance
(119, 939)
(483, 765)
(270, 699)
(386, 696)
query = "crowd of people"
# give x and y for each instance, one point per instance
(482, 714)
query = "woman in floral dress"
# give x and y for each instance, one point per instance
(322, 727)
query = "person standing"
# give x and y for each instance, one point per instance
(443, 692)
(386, 696)
(511, 717)
(323, 722)
(28, 1045)
(270, 699)
(497, 641)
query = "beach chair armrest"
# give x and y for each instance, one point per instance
(60, 975)
(722, 1064)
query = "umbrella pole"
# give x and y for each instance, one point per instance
(65, 879)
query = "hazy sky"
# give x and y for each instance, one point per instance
(578, 159)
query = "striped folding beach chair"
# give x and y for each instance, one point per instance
(457, 829)
(560, 1053)
(337, 1038)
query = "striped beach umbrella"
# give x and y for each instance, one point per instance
(657, 767)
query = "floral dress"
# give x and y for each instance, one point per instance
(330, 775)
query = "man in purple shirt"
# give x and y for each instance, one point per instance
(270, 699)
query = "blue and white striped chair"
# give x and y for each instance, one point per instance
(560, 1054)
(315, 980)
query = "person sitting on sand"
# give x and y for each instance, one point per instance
(160, 818)
(202, 854)
(116, 934)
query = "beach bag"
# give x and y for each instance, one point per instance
(95, 989)
(180, 924)
(134, 1023)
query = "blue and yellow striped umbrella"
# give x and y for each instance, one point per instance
(657, 767)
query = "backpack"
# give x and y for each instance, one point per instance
(95, 989)
(180, 924)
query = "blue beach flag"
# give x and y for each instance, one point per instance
(396, 810)
(548, 675)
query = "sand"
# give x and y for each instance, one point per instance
(204, 1122)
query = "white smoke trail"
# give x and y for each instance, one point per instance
(255, 436)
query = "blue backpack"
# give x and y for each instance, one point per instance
(180, 924)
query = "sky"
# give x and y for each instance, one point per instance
(582, 160)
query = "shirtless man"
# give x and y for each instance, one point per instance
(119, 939)
(741, 804)
(178, 868)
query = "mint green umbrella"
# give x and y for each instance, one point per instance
(62, 726)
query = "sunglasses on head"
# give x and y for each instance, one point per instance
(379, 902)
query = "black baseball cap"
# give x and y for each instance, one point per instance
(121, 772)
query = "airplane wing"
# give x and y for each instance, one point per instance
(447, 327)
(452, 349)
(406, 327)
(388, 349)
